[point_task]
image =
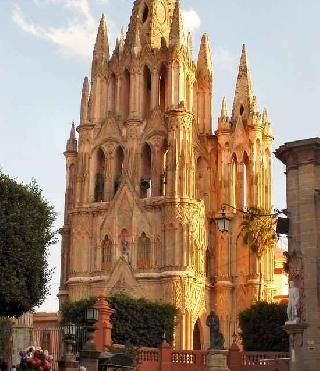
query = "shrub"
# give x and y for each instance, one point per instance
(135, 322)
(261, 327)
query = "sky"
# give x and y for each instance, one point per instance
(45, 52)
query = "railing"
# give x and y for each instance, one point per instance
(49, 339)
(190, 360)
(265, 361)
(149, 359)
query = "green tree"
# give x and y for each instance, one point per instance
(26, 221)
(261, 327)
(259, 233)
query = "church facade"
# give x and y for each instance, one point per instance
(148, 175)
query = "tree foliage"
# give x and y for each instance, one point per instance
(259, 233)
(140, 322)
(75, 312)
(261, 327)
(26, 221)
(135, 322)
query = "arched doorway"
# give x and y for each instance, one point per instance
(197, 336)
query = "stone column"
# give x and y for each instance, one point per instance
(217, 360)
(154, 89)
(302, 160)
(103, 333)
(21, 336)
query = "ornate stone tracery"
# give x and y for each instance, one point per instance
(148, 110)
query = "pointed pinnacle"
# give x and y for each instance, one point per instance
(176, 32)
(244, 66)
(224, 109)
(102, 43)
(85, 86)
(204, 57)
(265, 118)
(72, 141)
(72, 131)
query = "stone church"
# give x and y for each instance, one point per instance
(149, 173)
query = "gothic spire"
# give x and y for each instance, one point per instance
(244, 101)
(102, 42)
(176, 32)
(84, 102)
(72, 141)
(204, 58)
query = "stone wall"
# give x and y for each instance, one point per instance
(302, 160)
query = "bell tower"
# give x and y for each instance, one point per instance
(147, 174)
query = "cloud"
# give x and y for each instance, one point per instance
(75, 38)
(191, 20)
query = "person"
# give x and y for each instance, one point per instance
(293, 304)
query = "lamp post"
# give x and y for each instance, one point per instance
(69, 334)
(68, 361)
(91, 317)
(89, 355)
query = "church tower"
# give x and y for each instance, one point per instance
(147, 177)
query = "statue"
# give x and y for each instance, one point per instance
(216, 337)
(293, 304)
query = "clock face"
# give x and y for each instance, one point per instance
(161, 13)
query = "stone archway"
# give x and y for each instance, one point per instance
(197, 336)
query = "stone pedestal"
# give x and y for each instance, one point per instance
(217, 360)
(89, 359)
(65, 365)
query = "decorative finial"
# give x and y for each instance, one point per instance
(224, 109)
(72, 141)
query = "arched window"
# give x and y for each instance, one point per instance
(147, 92)
(195, 100)
(176, 83)
(246, 181)
(164, 168)
(188, 93)
(106, 253)
(144, 252)
(126, 94)
(163, 78)
(124, 239)
(100, 174)
(71, 185)
(145, 182)
(112, 93)
(118, 168)
(233, 178)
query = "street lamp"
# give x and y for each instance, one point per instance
(223, 222)
(69, 335)
(91, 317)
